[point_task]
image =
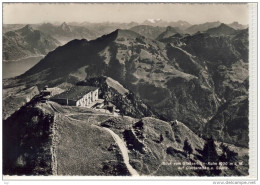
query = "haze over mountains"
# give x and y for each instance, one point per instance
(192, 79)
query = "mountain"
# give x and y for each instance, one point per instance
(65, 32)
(188, 82)
(47, 28)
(222, 29)
(153, 21)
(104, 28)
(170, 31)
(148, 31)
(12, 27)
(65, 28)
(26, 42)
(113, 25)
(159, 22)
(237, 26)
(202, 27)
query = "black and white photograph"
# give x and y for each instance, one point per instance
(128, 90)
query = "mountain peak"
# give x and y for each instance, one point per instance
(222, 29)
(27, 28)
(153, 20)
(64, 24)
(235, 22)
(223, 25)
(65, 27)
(126, 33)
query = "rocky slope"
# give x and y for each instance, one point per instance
(231, 122)
(26, 42)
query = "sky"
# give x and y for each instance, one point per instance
(33, 13)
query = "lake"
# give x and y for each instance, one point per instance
(15, 68)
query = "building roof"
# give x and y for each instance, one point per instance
(75, 93)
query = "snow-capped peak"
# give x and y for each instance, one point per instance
(153, 20)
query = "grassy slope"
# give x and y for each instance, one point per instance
(76, 144)
(82, 148)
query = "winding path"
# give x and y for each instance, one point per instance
(124, 151)
(117, 139)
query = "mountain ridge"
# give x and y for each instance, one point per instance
(222, 29)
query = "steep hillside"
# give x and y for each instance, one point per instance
(227, 61)
(231, 122)
(26, 42)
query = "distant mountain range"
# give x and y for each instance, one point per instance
(89, 31)
(208, 25)
(64, 32)
(26, 42)
(18, 46)
(159, 22)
